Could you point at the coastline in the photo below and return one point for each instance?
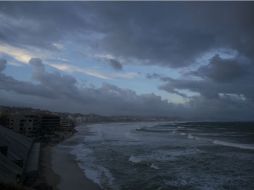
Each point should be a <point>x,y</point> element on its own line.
<point>62,172</point>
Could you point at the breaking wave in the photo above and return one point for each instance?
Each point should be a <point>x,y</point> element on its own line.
<point>234,145</point>
<point>135,159</point>
<point>93,171</point>
<point>178,131</point>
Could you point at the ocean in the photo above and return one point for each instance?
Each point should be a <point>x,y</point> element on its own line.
<point>166,155</point>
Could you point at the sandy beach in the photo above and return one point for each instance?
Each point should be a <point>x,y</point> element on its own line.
<point>62,172</point>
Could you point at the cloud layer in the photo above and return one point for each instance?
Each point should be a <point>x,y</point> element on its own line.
<point>172,34</point>
<point>190,38</point>
<point>61,93</point>
<point>65,94</point>
<point>220,76</point>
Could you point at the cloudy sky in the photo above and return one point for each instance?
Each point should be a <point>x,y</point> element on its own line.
<point>193,60</point>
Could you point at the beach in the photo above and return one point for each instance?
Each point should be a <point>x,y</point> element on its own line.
<point>61,172</point>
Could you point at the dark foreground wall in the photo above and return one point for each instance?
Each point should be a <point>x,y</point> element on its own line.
<point>17,153</point>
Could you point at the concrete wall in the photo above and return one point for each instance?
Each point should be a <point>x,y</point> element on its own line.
<point>21,153</point>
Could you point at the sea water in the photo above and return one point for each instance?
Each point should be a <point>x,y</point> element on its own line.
<point>168,155</point>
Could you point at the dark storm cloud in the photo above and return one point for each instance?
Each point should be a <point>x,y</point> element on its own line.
<point>153,76</point>
<point>3,63</point>
<point>40,24</point>
<point>230,77</point>
<point>225,86</point>
<point>49,85</point>
<point>158,77</point>
<point>163,33</point>
<point>10,84</point>
<point>115,64</point>
<point>220,76</point>
<point>57,84</point>
<point>225,70</point>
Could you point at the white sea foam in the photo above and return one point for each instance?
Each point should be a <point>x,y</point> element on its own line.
<point>92,170</point>
<point>162,155</point>
<point>135,159</point>
<point>158,130</point>
<point>99,175</point>
<point>219,142</point>
<point>235,145</point>
<point>80,152</point>
<point>190,136</point>
<point>92,174</point>
<point>154,166</point>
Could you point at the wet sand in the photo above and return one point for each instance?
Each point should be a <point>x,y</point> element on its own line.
<point>63,173</point>
<point>49,176</point>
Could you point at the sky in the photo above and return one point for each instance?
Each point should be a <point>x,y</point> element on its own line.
<point>193,60</point>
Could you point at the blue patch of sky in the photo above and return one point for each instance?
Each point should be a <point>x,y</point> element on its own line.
<point>17,70</point>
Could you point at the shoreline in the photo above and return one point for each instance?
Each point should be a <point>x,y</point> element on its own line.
<point>61,171</point>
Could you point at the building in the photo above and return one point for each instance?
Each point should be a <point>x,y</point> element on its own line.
<point>4,118</point>
<point>25,124</point>
<point>66,124</point>
<point>49,123</point>
<point>34,125</point>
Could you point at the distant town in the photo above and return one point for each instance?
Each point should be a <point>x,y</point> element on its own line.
<point>35,122</point>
